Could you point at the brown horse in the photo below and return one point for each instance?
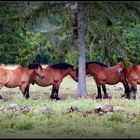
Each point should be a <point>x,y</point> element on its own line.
<point>20,77</point>
<point>132,75</point>
<point>104,74</point>
<point>54,76</point>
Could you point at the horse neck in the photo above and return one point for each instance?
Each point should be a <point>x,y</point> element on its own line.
<point>66,72</point>
<point>31,73</point>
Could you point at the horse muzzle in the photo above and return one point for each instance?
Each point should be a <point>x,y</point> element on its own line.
<point>76,79</point>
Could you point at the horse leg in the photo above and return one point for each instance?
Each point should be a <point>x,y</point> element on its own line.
<point>56,93</point>
<point>99,96</point>
<point>52,92</point>
<point>57,85</point>
<point>105,93</point>
<point>126,90</point>
<point>134,91</point>
<point>1,85</point>
<point>26,92</point>
<point>23,89</point>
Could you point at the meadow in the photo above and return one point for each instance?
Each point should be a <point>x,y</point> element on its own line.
<point>57,121</point>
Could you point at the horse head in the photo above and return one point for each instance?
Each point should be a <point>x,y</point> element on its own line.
<point>120,66</point>
<point>120,59</point>
<point>74,74</point>
<point>38,70</point>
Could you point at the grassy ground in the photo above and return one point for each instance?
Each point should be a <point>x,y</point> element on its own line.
<point>59,123</point>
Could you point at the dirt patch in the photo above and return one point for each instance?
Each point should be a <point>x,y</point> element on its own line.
<point>34,95</point>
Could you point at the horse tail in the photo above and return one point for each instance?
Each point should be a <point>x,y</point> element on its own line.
<point>87,72</point>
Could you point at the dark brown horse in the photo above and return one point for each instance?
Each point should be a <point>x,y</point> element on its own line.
<point>20,77</point>
<point>132,75</point>
<point>54,76</point>
<point>104,74</point>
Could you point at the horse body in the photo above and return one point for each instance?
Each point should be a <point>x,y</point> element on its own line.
<point>109,75</point>
<point>104,74</point>
<point>16,80</point>
<point>133,78</point>
<point>54,76</point>
<point>19,77</point>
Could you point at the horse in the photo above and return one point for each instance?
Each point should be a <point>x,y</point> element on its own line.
<point>20,77</point>
<point>104,74</point>
<point>54,76</point>
<point>132,75</point>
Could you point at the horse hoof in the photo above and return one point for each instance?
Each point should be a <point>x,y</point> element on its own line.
<point>0,97</point>
<point>27,97</point>
<point>57,98</point>
<point>123,96</point>
<point>98,97</point>
<point>52,98</point>
<point>105,97</point>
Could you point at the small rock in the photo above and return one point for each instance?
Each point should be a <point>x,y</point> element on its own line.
<point>88,113</point>
<point>97,109</point>
<point>105,108</point>
<point>14,107</point>
<point>73,109</point>
<point>25,109</point>
<point>118,108</point>
<point>41,110</point>
<point>101,113</point>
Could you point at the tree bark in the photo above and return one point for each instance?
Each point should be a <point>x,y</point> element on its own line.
<point>81,90</point>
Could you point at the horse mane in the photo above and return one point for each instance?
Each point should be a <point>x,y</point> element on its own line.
<point>33,66</point>
<point>101,64</point>
<point>133,67</point>
<point>62,66</point>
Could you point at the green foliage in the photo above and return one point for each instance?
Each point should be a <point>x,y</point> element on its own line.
<point>10,43</point>
<point>47,29</point>
<point>59,123</point>
<point>132,35</point>
<point>116,117</point>
<point>106,43</point>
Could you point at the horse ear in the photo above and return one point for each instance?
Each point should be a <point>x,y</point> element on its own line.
<point>120,59</point>
<point>33,66</point>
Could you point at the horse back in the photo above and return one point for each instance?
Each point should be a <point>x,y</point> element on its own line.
<point>93,68</point>
<point>55,74</point>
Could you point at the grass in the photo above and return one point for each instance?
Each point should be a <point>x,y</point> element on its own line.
<point>58,123</point>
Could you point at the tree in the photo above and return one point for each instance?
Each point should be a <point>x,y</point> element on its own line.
<point>81,90</point>
<point>112,29</point>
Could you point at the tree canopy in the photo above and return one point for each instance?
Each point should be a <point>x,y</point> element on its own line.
<point>48,31</point>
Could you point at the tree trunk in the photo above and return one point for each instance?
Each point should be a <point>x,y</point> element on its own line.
<point>81,90</point>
